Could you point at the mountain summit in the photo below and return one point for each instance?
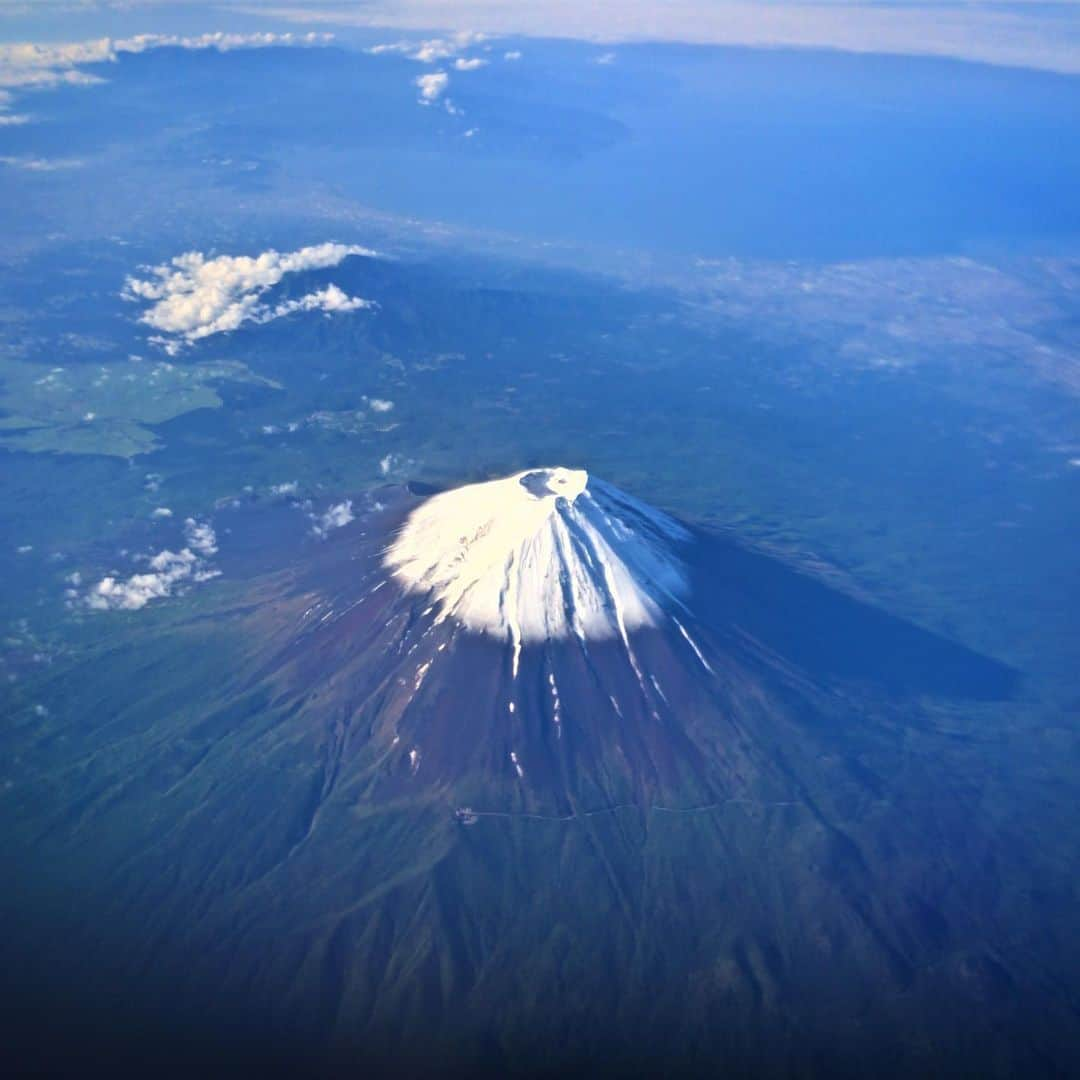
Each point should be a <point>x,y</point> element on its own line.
<point>547,643</point>
<point>526,639</point>
<point>540,555</point>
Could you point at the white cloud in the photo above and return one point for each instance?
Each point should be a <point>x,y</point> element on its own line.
<point>161,512</point>
<point>220,41</point>
<point>1043,36</point>
<point>192,297</point>
<point>330,300</point>
<point>386,464</point>
<point>604,59</point>
<point>290,487</point>
<point>31,65</point>
<point>200,537</point>
<point>13,119</point>
<point>336,517</point>
<point>167,571</point>
<point>512,54</point>
<point>432,87</point>
<point>380,405</point>
<point>39,164</point>
<point>432,50</point>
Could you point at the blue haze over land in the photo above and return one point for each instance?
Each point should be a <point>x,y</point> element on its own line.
<point>820,306</point>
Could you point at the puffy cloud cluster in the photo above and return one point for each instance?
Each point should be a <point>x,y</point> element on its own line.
<point>31,65</point>
<point>339,515</point>
<point>219,40</point>
<point>201,537</point>
<point>329,300</point>
<point>192,296</point>
<point>432,87</point>
<point>166,572</point>
<point>433,50</point>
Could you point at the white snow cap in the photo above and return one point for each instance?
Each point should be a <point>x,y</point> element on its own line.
<point>542,554</point>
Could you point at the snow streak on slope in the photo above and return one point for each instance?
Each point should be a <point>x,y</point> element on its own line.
<point>543,554</point>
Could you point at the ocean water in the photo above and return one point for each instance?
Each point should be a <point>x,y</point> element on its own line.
<point>707,151</point>
<point>810,155</point>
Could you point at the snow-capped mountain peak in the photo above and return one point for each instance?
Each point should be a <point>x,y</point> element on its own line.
<point>542,554</point>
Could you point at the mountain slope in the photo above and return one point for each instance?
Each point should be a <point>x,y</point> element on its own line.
<point>700,809</point>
